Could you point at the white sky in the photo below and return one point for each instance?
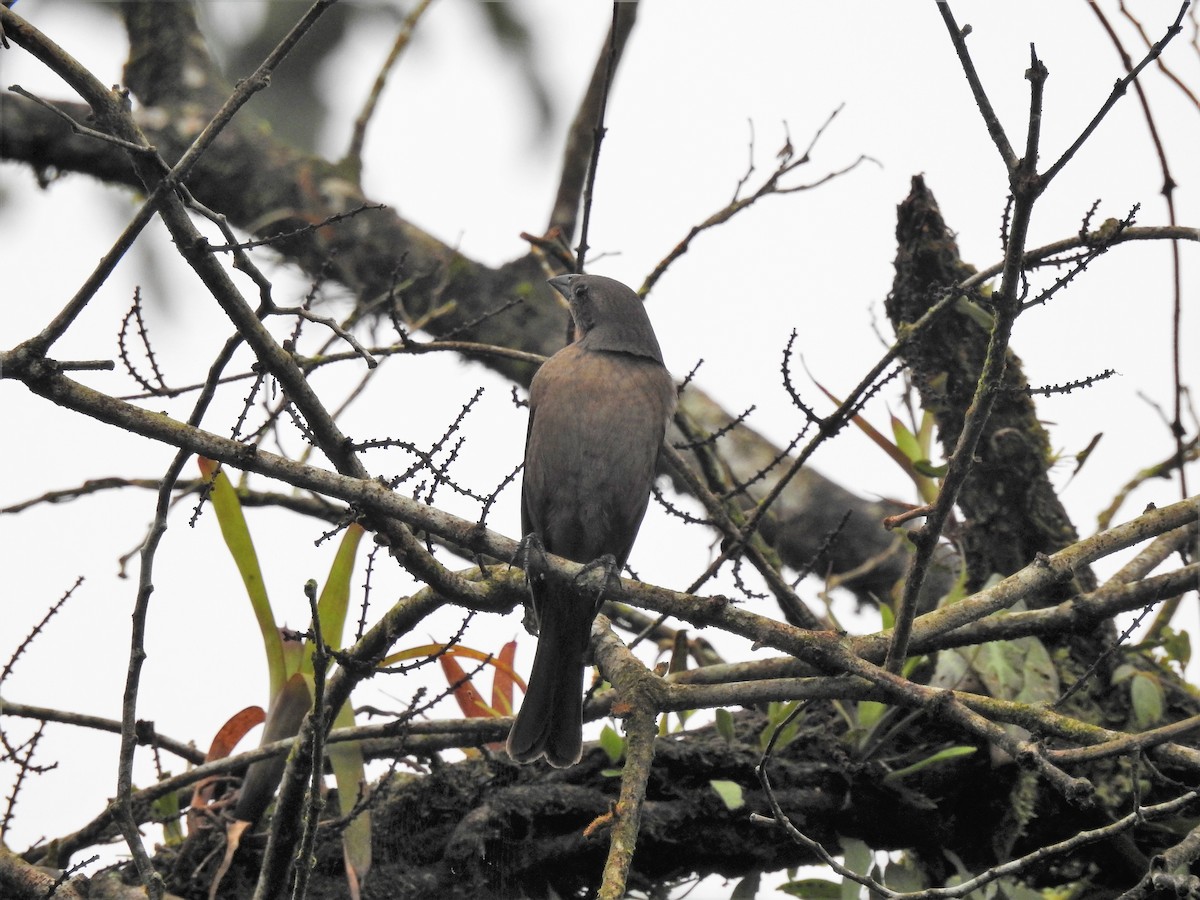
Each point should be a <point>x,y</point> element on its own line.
<point>452,149</point>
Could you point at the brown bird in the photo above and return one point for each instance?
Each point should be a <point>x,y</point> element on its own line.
<point>598,413</point>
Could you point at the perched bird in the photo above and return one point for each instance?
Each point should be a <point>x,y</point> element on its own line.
<point>598,413</point>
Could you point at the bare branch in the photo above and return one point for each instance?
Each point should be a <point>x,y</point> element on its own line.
<point>577,149</point>
<point>958,37</point>
<point>353,156</point>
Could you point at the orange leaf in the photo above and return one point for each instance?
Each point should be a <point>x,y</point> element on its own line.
<point>233,731</point>
<point>227,737</point>
<point>502,681</point>
<point>875,436</point>
<point>501,663</point>
<point>469,699</point>
<point>233,838</point>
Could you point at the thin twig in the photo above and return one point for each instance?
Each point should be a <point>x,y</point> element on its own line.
<point>313,801</point>
<point>771,185</point>
<point>146,734</point>
<point>332,324</point>
<point>577,147</point>
<point>1117,92</point>
<point>1168,192</point>
<point>1025,187</point>
<point>958,37</point>
<point>358,138</point>
<point>107,104</point>
<point>598,131</point>
<point>83,129</point>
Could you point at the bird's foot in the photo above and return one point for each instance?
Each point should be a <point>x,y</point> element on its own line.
<point>611,578</point>
<point>530,555</point>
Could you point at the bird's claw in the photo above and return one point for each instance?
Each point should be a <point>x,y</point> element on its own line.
<point>608,565</point>
<point>530,555</point>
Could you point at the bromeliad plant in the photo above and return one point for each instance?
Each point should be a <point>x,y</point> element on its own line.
<point>291,686</point>
<point>504,680</point>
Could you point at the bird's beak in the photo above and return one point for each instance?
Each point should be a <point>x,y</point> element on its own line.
<point>562,284</point>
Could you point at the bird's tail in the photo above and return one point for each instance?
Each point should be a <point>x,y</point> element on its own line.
<point>550,722</point>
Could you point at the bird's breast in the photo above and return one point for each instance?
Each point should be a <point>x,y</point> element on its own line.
<point>598,422</point>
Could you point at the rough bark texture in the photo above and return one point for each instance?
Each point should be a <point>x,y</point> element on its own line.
<point>1012,511</point>
<point>487,828</point>
<point>490,828</point>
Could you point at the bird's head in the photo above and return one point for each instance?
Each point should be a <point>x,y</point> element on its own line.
<point>608,315</point>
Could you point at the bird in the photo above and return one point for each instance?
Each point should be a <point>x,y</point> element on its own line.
<point>598,415</point>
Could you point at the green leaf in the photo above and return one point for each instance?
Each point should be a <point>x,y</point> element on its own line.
<point>951,669</point>
<point>228,509</point>
<point>295,651</point>
<point>346,759</point>
<point>975,313</point>
<point>875,436</point>
<point>813,889</point>
<point>1178,646</point>
<point>940,757</point>
<point>730,793</point>
<point>165,811</point>
<point>857,857</point>
<point>911,664</point>
<point>904,875</point>
<point>927,468</point>
<point>1019,670</point>
<point>925,432</point>
<point>724,724</point>
<point>335,597</point>
<point>612,743</point>
<point>915,449</point>
<point>777,713</point>
<point>957,591</point>
<point>1123,673</point>
<point>906,441</point>
<point>1146,692</point>
<point>869,712</point>
<point>1014,890</point>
